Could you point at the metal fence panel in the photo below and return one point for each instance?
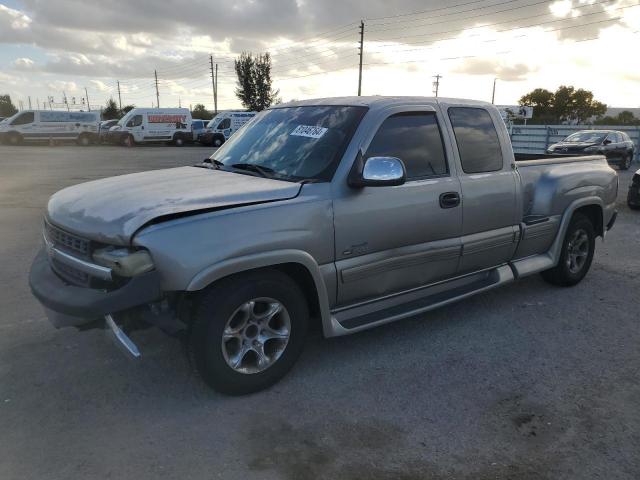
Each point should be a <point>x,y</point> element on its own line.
<point>536,138</point>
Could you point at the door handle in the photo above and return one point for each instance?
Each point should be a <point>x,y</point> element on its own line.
<point>449,199</point>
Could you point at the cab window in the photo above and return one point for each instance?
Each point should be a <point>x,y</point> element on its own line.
<point>414,138</point>
<point>224,124</point>
<point>477,139</point>
<point>136,121</point>
<point>25,118</point>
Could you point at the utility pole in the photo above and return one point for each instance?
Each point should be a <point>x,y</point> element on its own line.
<point>29,97</point>
<point>361,54</point>
<point>214,83</point>
<point>155,73</point>
<point>436,84</point>
<point>119,97</point>
<point>86,95</point>
<point>493,93</point>
<point>38,103</point>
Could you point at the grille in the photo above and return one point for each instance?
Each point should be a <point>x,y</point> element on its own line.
<point>67,241</point>
<point>70,274</point>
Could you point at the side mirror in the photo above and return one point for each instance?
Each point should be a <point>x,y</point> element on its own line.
<point>377,172</point>
<point>606,141</point>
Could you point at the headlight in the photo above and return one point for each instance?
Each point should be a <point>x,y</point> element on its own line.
<point>124,262</point>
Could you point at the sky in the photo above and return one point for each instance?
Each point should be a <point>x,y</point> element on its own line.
<point>53,48</point>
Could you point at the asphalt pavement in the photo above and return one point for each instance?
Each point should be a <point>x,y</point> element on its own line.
<point>529,381</point>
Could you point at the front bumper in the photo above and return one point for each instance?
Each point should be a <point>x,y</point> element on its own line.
<point>70,305</point>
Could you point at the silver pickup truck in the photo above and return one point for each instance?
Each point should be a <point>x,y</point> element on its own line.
<point>341,214</point>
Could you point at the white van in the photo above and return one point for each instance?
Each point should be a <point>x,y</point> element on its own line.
<point>144,125</point>
<point>45,125</point>
<point>223,125</point>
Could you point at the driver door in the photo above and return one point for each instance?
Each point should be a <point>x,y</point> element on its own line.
<point>136,128</point>
<point>394,238</point>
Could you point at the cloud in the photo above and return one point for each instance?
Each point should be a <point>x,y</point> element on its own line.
<point>24,63</point>
<point>487,66</point>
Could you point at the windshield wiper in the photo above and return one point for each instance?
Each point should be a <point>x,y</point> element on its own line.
<point>210,163</point>
<point>265,172</point>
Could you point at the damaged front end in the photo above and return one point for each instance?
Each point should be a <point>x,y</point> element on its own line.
<point>84,284</point>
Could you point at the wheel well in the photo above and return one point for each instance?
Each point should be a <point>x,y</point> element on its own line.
<point>593,213</point>
<point>303,278</point>
<point>297,272</point>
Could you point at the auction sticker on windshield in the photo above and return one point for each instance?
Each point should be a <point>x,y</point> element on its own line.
<point>309,131</point>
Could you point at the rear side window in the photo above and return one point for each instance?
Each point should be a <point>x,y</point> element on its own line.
<point>477,139</point>
<point>414,138</point>
<point>26,117</point>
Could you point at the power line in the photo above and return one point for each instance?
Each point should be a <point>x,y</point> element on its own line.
<point>508,29</point>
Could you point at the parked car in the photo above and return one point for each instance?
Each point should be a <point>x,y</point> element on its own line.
<point>223,125</point>
<point>616,146</point>
<point>148,125</point>
<point>633,197</point>
<point>46,125</point>
<point>344,213</point>
<point>103,130</point>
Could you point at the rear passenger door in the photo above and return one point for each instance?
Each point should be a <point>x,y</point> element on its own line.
<point>490,207</point>
<point>391,239</point>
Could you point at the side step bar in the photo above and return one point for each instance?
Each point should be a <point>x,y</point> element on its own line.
<point>120,338</point>
<point>368,315</point>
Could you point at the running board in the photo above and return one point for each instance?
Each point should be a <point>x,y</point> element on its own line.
<point>371,314</point>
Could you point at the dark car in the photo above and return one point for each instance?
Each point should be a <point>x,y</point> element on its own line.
<point>633,197</point>
<point>616,146</point>
<point>104,129</point>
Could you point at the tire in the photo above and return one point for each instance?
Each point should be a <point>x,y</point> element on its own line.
<point>178,141</point>
<point>225,307</point>
<point>217,141</point>
<point>84,140</point>
<point>625,164</point>
<point>571,270</point>
<point>14,138</point>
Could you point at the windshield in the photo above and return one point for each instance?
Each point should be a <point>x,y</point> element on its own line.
<point>123,121</point>
<point>213,122</point>
<point>586,137</point>
<point>294,143</point>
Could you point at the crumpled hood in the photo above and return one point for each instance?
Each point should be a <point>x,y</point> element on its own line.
<point>111,210</point>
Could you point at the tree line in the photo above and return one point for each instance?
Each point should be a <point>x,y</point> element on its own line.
<point>570,105</point>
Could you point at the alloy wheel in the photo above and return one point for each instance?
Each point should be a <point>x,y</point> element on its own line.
<point>256,335</point>
<point>577,251</point>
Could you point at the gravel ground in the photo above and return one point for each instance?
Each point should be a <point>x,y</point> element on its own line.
<point>526,382</point>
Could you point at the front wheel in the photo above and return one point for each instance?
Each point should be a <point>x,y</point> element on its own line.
<point>577,253</point>
<point>84,140</point>
<point>248,331</point>
<point>14,138</point>
<point>217,141</point>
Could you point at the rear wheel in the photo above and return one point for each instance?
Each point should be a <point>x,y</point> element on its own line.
<point>626,162</point>
<point>577,253</point>
<point>178,140</point>
<point>248,331</point>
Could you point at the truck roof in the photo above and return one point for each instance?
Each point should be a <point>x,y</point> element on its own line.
<point>376,101</point>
